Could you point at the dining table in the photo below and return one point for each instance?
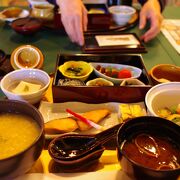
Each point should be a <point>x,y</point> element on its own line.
<point>52,42</point>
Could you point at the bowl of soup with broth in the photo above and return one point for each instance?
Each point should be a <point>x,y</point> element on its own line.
<point>21,137</point>
<point>148,148</point>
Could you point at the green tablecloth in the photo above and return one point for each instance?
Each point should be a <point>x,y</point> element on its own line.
<point>51,43</point>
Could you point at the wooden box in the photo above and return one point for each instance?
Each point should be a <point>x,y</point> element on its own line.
<point>126,94</point>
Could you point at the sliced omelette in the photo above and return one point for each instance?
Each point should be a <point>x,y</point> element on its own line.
<point>128,111</point>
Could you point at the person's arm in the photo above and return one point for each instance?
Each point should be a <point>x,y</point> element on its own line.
<point>151,11</point>
<point>161,2</point>
<point>74,18</point>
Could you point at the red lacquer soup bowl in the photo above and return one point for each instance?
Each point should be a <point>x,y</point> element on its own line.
<point>149,148</point>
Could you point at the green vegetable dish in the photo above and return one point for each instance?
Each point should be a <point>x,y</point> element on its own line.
<point>171,113</point>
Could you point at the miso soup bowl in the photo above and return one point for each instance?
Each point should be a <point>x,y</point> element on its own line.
<point>146,124</point>
<point>22,162</point>
<point>27,75</point>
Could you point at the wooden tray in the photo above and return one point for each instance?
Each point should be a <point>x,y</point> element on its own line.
<point>91,44</point>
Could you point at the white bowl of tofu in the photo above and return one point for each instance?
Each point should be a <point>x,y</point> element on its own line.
<point>28,85</point>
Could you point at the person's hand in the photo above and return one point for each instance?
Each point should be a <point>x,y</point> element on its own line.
<point>74,19</point>
<point>151,11</point>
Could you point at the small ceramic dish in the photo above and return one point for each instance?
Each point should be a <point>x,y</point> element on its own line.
<point>133,72</point>
<point>70,82</point>
<point>132,82</point>
<point>27,56</point>
<point>44,12</point>
<point>121,14</point>
<point>99,82</point>
<point>165,73</point>
<point>12,13</point>
<point>76,70</point>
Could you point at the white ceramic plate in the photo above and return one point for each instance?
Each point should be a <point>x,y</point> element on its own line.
<point>136,72</point>
<point>52,111</point>
<point>23,14</point>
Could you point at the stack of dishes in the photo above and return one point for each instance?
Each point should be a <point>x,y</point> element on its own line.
<point>27,56</point>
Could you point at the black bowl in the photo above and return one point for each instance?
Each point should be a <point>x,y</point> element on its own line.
<point>151,125</point>
<point>22,162</point>
<point>26,26</point>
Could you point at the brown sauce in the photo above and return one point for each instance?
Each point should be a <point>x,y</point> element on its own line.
<point>153,152</point>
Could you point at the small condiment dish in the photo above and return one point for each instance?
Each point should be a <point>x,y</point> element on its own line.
<point>163,73</point>
<point>76,70</point>
<point>28,85</point>
<point>121,14</point>
<point>70,82</point>
<point>132,82</point>
<point>99,82</point>
<point>27,56</point>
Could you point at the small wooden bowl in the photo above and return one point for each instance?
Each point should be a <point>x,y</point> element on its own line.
<point>164,73</point>
<point>26,26</point>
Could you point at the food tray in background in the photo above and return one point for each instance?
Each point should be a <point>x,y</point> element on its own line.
<point>87,94</point>
<point>98,22</point>
<point>95,20</point>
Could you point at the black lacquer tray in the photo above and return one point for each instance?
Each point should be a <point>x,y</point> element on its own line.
<point>100,94</point>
